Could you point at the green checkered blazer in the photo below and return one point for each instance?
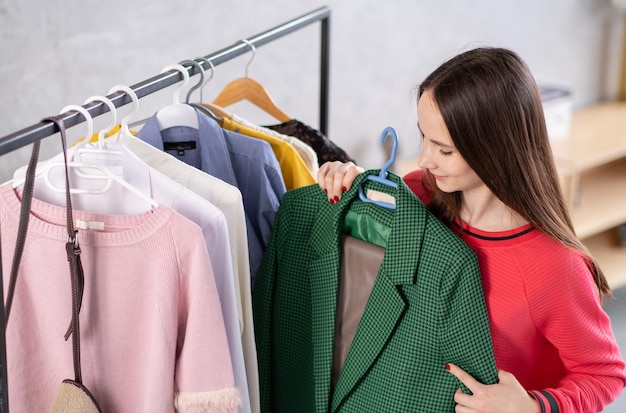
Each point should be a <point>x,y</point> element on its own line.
<point>426,309</point>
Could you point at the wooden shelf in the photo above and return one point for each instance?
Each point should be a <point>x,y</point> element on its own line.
<point>611,256</point>
<point>592,166</point>
<point>600,201</point>
<point>597,137</point>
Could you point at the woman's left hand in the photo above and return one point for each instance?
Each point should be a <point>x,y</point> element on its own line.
<point>507,396</point>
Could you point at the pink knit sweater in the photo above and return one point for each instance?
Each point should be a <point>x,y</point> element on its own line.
<point>152,332</point>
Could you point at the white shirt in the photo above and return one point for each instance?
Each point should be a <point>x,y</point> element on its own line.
<point>228,199</point>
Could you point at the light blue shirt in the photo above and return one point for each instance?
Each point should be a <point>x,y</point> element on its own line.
<point>245,162</point>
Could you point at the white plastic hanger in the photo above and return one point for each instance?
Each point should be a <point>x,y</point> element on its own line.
<point>87,150</point>
<point>94,176</point>
<point>124,129</point>
<point>44,168</point>
<point>178,113</point>
<point>113,156</point>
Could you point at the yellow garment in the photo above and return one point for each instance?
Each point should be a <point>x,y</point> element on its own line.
<point>295,172</point>
<point>304,150</point>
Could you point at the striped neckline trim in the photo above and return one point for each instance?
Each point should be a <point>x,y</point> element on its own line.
<point>494,236</point>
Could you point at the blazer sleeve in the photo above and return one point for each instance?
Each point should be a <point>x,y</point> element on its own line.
<point>464,329</point>
<point>262,303</point>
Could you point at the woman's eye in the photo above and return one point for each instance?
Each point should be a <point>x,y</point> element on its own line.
<point>444,153</point>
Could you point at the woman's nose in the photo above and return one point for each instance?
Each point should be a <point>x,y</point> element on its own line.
<point>424,161</point>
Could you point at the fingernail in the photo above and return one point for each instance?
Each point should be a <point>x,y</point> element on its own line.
<point>325,190</point>
<point>336,198</point>
<point>448,367</point>
<point>332,201</point>
<point>344,189</point>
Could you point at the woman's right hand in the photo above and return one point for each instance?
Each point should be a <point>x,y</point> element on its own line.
<point>336,177</point>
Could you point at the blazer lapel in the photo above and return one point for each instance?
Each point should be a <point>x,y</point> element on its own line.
<point>383,311</point>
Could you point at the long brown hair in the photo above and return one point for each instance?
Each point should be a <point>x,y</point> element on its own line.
<point>491,106</point>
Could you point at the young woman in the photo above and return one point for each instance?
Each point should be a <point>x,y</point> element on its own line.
<point>487,171</point>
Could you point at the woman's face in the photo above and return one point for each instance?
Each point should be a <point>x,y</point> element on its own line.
<point>439,155</point>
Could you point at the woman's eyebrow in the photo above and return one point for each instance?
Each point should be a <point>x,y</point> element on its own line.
<point>436,142</point>
<point>445,145</point>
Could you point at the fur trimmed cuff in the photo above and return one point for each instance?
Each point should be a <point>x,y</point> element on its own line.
<point>224,400</point>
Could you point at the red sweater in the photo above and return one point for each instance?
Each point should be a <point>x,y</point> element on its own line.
<point>547,324</point>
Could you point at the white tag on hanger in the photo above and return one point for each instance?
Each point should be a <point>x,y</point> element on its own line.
<point>380,196</point>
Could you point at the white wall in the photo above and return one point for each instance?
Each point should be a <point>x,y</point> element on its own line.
<point>57,53</point>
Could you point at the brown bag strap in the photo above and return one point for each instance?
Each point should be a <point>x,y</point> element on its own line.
<point>72,247</point>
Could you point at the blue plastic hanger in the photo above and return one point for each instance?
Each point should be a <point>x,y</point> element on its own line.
<point>382,176</point>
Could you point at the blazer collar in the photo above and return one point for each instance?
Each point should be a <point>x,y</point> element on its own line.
<point>405,239</point>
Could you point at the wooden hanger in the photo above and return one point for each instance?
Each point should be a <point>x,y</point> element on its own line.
<point>248,89</point>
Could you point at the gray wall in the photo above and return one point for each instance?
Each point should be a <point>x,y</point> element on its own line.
<point>59,53</point>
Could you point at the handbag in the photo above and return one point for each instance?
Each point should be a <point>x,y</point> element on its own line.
<point>72,396</point>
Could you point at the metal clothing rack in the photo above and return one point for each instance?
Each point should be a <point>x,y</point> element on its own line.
<point>42,129</point>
